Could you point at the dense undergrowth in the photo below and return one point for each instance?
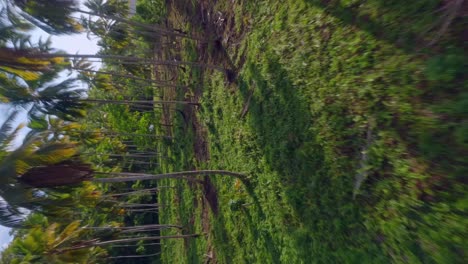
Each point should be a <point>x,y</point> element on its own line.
<point>351,127</point>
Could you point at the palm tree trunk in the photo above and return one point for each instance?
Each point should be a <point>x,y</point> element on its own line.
<point>137,245</point>
<point>130,102</point>
<point>12,58</point>
<point>148,210</point>
<point>130,177</point>
<point>131,231</point>
<point>128,227</point>
<point>139,227</point>
<point>135,256</point>
<point>135,152</point>
<point>103,243</point>
<point>151,190</point>
<point>136,205</point>
<point>125,58</point>
<point>137,162</point>
<point>152,28</point>
<point>73,172</point>
<point>96,243</point>
<point>129,76</point>
<point>122,155</point>
<point>126,231</point>
<point>113,133</point>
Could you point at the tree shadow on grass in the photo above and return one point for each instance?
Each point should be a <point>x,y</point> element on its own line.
<point>281,120</point>
<point>223,242</point>
<point>398,22</point>
<point>256,207</point>
<point>320,197</point>
<point>221,239</point>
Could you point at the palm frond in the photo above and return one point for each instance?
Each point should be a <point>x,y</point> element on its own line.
<point>9,219</point>
<point>7,141</point>
<point>52,16</point>
<point>10,214</point>
<point>7,127</point>
<point>16,21</point>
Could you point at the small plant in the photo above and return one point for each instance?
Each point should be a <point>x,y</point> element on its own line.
<point>237,204</point>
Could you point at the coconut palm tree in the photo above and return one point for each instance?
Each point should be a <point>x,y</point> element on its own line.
<point>56,16</point>
<point>53,164</point>
<point>75,172</point>
<point>11,214</point>
<point>72,243</point>
<point>40,244</point>
<point>14,41</point>
<point>41,98</point>
<point>17,198</point>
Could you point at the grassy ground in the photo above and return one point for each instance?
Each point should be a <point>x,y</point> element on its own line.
<point>350,127</point>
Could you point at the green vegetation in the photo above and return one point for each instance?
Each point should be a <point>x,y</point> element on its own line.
<point>336,116</point>
<point>348,118</point>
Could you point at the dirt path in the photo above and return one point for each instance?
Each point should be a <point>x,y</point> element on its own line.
<point>219,28</point>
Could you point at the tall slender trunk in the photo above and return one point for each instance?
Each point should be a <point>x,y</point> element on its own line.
<point>151,190</point>
<point>134,229</point>
<point>65,174</point>
<point>130,177</point>
<point>135,256</point>
<point>137,245</point>
<point>143,230</point>
<point>122,155</point>
<point>129,76</point>
<point>130,227</point>
<point>126,58</point>
<point>130,102</point>
<point>139,103</point>
<point>128,152</point>
<point>148,210</point>
<point>97,243</point>
<point>103,243</point>
<point>137,162</point>
<point>152,27</point>
<point>136,205</point>
<point>113,133</point>
<point>131,205</point>
<point>131,33</point>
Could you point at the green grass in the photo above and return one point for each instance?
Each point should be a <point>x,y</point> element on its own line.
<point>182,203</point>
<point>324,82</point>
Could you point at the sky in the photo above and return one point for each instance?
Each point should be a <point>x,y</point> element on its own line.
<point>72,44</point>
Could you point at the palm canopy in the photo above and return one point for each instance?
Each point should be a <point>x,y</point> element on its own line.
<point>49,94</point>
<point>52,16</point>
<point>56,16</point>
<point>10,214</point>
<point>17,197</point>
<point>15,44</point>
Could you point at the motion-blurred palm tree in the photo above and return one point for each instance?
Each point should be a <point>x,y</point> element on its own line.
<point>52,16</point>
<point>18,198</point>
<point>15,43</point>
<point>43,243</point>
